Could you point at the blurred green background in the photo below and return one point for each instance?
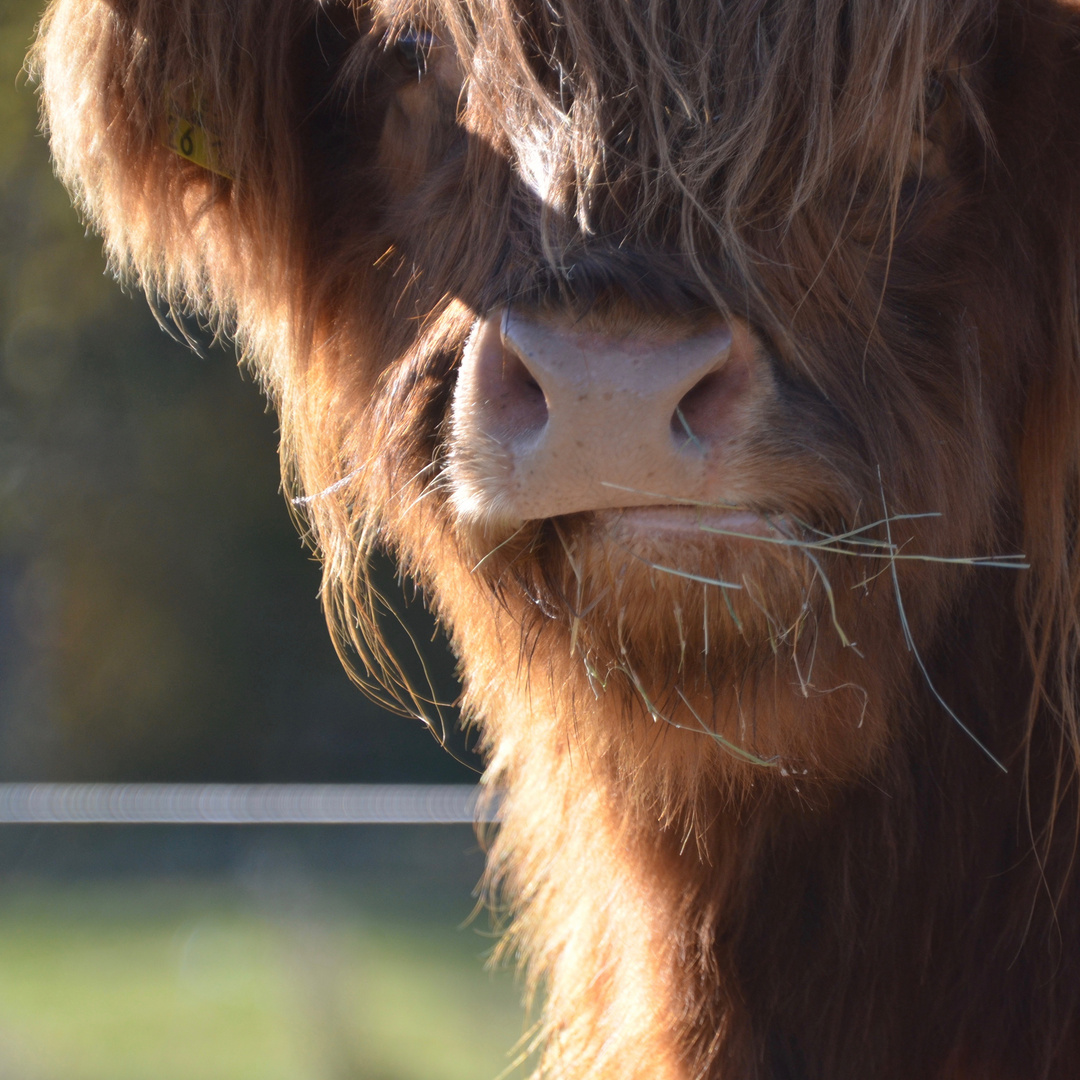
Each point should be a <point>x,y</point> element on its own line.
<point>159,621</point>
<point>251,953</point>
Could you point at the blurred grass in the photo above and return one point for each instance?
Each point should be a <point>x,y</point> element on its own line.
<point>252,980</point>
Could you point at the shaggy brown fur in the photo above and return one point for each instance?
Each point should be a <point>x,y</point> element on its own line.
<point>821,826</point>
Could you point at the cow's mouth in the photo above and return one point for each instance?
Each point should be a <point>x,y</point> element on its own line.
<point>685,521</point>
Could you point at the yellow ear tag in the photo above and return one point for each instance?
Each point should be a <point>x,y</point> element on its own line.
<point>194,143</point>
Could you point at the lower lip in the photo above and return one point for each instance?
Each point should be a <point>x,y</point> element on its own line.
<point>688,520</point>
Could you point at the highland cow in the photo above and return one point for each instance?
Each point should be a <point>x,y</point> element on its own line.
<point>714,367</point>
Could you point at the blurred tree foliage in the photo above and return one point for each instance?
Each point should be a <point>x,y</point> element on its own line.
<point>158,617</point>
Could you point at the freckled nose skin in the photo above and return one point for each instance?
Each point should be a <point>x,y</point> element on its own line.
<point>550,419</point>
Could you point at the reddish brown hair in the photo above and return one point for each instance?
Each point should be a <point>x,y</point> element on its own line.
<point>725,867</point>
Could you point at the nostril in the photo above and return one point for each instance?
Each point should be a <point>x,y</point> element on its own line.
<point>515,370</point>
<point>516,405</point>
<point>701,408</point>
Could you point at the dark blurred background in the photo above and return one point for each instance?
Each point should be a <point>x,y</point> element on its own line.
<point>158,614</point>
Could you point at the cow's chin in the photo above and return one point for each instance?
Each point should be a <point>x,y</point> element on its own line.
<point>691,648</point>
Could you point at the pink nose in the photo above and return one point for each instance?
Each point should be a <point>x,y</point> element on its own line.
<point>549,419</point>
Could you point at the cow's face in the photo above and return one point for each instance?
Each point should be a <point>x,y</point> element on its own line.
<point>677,352</point>
<point>696,408</point>
<point>687,352</point>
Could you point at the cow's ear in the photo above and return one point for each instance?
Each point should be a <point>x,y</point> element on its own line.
<point>178,126</point>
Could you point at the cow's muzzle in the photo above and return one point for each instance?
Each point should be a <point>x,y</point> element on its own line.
<point>552,417</point>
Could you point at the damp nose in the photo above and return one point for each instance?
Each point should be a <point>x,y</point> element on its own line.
<point>552,419</point>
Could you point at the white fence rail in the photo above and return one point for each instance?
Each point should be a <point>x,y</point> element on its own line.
<point>241,804</point>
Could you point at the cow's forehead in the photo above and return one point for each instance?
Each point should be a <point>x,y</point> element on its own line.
<point>717,86</point>
<point>709,50</point>
<point>940,16</point>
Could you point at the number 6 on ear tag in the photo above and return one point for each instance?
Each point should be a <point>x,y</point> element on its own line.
<point>192,141</point>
